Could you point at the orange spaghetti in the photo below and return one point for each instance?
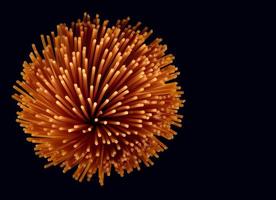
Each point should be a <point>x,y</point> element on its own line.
<point>98,97</point>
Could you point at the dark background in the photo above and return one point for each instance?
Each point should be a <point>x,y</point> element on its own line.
<point>196,163</point>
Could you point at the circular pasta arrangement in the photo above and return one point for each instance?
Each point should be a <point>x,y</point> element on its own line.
<point>98,97</point>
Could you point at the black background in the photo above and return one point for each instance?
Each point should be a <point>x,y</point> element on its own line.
<point>195,163</point>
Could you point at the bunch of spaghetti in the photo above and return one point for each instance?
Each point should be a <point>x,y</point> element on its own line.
<point>98,97</point>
